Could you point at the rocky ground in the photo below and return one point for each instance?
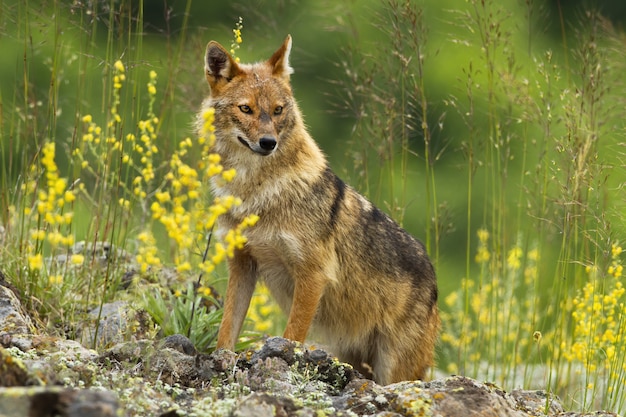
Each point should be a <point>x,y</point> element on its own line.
<point>47,376</point>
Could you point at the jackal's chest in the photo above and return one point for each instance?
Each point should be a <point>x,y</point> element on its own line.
<point>269,248</point>
<point>276,258</point>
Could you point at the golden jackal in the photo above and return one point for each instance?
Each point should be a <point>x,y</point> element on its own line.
<point>332,260</point>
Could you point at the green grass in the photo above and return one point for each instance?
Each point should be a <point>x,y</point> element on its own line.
<point>539,165</point>
<point>501,148</point>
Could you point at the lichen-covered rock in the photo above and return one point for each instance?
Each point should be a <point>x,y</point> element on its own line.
<point>455,396</point>
<point>151,360</point>
<point>534,402</point>
<point>105,325</point>
<point>316,364</point>
<point>13,371</point>
<point>57,401</point>
<point>255,405</point>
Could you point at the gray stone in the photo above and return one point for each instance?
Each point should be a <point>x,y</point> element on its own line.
<point>57,401</point>
<point>112,323</point>
<point>12,319</point>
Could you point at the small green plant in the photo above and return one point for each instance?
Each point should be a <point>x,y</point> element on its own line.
<point>194,313</point>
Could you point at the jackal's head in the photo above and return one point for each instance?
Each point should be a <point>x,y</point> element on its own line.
<point>254,105</point>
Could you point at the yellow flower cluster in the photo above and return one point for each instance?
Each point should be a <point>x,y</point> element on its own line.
<point>207,138</point>
<point>485,318</point>
<point>173,196</point>
<point>118,78</point>
<point>513,259</point>
<point>145,147</point>
<point>616,268</point>
<point>599,315</point>
<point>482,255</point>
<point>52,217</point>
<point>263,311</point>
<point>234,239</point>
<point>147,255</point>
<point>178,204</point>
<point>101,144</point>
<point>237,40</point>
<point>116,159</point>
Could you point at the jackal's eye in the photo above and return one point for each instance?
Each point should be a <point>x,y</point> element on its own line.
<point>278,110</point>
<point>245,109</point>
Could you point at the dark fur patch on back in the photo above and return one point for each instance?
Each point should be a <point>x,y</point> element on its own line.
<point>409,254</point>
<point>328,194</point>
<point>340,186</point>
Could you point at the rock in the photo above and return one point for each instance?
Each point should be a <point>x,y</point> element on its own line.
<point>13,371</point>
<point>57,401</point>
<point>453,396</point>
<point>106,325</point>
<point>317,364</point>
<point>116,323</point>
<point>180,343</point>
<point>276,347</point>
<point>49,361</point>
<point>12,319</point>
<point>267,405</point>
<point>152,360</point>
<point>534,402</point>
<point>15,325</point>
<point>362,397</point>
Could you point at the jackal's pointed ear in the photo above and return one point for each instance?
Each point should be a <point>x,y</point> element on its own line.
<point>280,60</point>
<point>219,65</point>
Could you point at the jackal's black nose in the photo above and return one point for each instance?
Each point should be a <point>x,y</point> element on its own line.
<point>267,143</point>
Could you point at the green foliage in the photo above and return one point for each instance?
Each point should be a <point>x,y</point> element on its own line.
<point>196,314</point>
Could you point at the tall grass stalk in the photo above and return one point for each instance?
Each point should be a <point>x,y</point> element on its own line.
<point>388,99</point>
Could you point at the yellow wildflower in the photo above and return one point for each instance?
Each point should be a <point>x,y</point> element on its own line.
<point>119,67</point>
<point>35,262</point>
<point>204,291</point>
<point>513,258</point>
<point>451,299</point>
<point>38,234</point>
<point>69,196</point>
<point>229,174</point>
<point>483,235</point>
<point>482,255</point>
<point>55,279</point>
<point>77,259</point>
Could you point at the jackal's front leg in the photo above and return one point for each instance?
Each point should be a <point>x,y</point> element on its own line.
<point>306,297</point>
<point>241,282</point>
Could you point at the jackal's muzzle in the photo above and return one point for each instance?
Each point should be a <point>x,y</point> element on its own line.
<point>266,145</point>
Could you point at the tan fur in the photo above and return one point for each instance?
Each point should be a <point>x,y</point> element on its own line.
<point>330,258</point>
